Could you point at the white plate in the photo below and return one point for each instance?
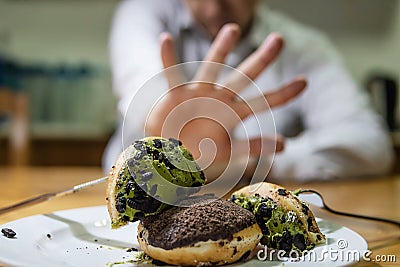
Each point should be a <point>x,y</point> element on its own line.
<point>82,237</point>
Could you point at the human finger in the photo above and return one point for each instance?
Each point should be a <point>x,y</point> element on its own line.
<point>253,65</point>
<point>167,50</point>
<point>286,92</point>
<point>168,59</point>
<point>258,146</point>
<point>220,48</point>
<point>271,99</point>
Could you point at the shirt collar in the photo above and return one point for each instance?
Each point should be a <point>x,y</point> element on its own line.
<point>185,20</point>
<point>255,37</point>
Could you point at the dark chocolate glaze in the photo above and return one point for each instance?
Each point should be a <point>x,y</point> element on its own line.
<point>207,219</point>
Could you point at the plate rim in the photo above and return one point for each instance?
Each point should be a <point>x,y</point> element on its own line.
<point>101,210</point>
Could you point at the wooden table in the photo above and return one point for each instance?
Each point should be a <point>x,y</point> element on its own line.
<point>376,197</point>
<point>20,183</point>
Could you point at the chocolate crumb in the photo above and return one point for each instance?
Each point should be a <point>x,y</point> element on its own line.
<point>158,263</point>
<point>121,205</point>
<point>157,143</point>
<point>286,241</point>
<point>310,223</point>
<point>234,250</point>
<point>139,145</point>
<point>139,155</point>
<point>129,186</point>
<point>175,141</point>
<point>245,255</point>
<point>9,233</point>
<point>304,208</point>
<point>153,190</point>
<point>299,242</point>
<point>48,236</point>
<point>282,192</point>
<point>147,176</point>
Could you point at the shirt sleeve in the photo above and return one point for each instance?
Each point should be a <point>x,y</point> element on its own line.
<point>134,60</point>
<point>343,136</point>
<point>134,48</point>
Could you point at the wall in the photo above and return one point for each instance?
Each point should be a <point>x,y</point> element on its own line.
<point>67,33</point>
<point>56,31</point>
<point>367,32</point>
<point>58,35</point>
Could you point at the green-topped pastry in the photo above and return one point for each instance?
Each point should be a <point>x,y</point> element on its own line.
<point>286,222</point>
<point>148,175</point>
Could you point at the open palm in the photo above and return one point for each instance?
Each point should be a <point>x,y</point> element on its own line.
<point>202,110</point>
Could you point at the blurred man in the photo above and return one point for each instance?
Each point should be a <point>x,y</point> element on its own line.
<point>329,129</point>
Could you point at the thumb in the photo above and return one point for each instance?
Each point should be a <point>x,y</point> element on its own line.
<point>259,146</point>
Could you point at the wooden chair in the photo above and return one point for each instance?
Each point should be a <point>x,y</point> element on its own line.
<point>15,106</point>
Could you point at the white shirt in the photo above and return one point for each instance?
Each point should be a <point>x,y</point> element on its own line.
<point>330,129</point>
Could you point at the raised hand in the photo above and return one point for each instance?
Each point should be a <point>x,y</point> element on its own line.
<point>203,114</point>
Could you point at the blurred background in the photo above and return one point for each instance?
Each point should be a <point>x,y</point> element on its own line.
<point>54,59</point>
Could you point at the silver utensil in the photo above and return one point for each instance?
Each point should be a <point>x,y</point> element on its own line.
<point>48,196</point>
<point>319,201</point>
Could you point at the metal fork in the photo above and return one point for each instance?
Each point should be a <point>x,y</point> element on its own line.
<point>48,196</point>
<point>322,204</point>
